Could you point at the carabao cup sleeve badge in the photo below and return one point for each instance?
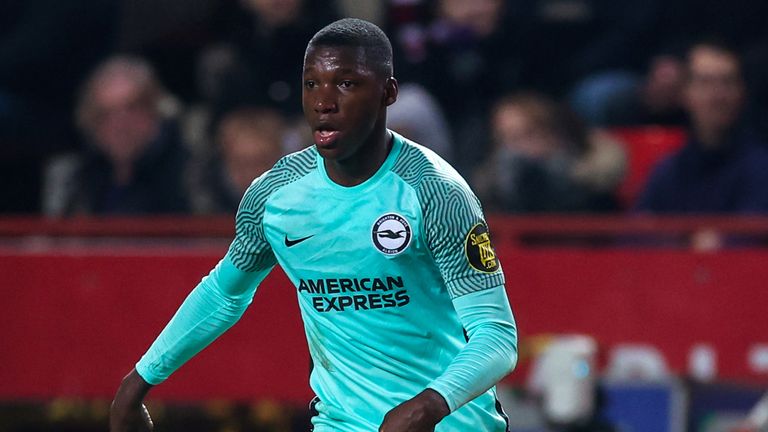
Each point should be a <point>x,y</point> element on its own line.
<point>479,250</point>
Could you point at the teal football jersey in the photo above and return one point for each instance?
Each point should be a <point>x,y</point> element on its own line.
<point>375,268</point>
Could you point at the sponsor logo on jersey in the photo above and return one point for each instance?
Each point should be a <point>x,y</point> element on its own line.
<point>479,250</point>
<point>343,294</point>
<point>391,234</point>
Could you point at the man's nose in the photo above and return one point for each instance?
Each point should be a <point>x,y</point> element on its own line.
<point>325,102</point>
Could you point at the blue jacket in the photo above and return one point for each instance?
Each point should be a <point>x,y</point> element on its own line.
<point>730,179</point>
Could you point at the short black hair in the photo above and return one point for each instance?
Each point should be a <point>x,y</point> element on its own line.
<point>354,32</point>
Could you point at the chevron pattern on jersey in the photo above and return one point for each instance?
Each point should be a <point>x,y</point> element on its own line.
<point>450,210</point>
<point>250,251</point>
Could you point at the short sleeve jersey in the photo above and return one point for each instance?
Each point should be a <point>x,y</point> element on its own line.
<point>375,267</point>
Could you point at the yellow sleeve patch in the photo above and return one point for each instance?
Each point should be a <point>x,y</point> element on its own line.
<point>479,250</point>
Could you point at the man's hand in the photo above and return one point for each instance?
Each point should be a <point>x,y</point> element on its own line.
<point>130,419</point>
<point>128,413</point>
<point>419,414</point>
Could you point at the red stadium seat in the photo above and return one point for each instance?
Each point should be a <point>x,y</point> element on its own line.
<point>645,146</point>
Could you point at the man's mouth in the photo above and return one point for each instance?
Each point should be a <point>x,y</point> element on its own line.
<point>325,137</point>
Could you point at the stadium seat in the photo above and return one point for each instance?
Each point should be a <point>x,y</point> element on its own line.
<point>645,146</point>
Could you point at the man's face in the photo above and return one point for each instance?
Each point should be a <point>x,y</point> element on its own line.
<point>125,122</point>
<point>715,90</point>
<point>482,16</point>
<point>516,131</point>
<point>343,99</point>
<point>247,157</point>
<point>275,13</point>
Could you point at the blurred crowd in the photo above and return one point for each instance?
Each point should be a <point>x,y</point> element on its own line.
<point>174,107</point>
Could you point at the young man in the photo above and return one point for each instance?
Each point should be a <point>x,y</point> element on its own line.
<point>401,294</point>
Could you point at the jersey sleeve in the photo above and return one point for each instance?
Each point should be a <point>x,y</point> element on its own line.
<point>490,353</point>
<point>457,235</point>
<point>250,250</point>
<point>217,303</point>
<point>222,297</point>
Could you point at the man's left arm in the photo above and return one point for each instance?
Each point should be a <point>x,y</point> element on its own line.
<point>489,355</point>
<point>460,242</point>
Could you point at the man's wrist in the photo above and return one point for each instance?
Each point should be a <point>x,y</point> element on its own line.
<point>434,404</point>
<point>133,388</point>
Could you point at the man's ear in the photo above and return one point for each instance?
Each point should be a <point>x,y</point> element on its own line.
<point>390,91</point>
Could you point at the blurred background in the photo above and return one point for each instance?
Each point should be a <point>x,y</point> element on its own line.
<point>620,149</point>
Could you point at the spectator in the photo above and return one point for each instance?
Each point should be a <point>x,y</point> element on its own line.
<point>544,161</point>
<point>723,167</point>
<point>46,46</point>
<point>625,99</point>
<point>417,116</point>
<point>170,35</point>
<point>248,142</point>
<point>570,40</point>
<point>465,56</point>
<point>254,62</point>
<point>134,162</point>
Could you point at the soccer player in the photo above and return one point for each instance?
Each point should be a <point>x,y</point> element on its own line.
<point>401,294</point>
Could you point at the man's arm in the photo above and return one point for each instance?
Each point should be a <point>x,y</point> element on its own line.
<point>216,304</point>
<point>457,236</point>
<point>490,354</point>
<point>218,301</point>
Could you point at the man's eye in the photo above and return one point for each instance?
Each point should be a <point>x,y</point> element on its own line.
<point>345,84</point>
<point>309,84</point>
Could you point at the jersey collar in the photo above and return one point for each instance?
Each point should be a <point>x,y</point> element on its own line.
<point>397,145</point>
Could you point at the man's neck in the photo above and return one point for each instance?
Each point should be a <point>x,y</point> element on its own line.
<point>363,165</point>
<point>711,139</point>
<point>122,173</point>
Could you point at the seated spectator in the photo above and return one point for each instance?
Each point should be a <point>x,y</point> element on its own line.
<point>575,39</point>
<point>417,116</point>
<point>248,142</point>
<point>543,160</point>
<point>257,60</point>
<point>723,167</point>
<point>254,60</point>
<point>465,56</point>
<point>46,47</point>
<point>621,98</point>
<point>135,160</point>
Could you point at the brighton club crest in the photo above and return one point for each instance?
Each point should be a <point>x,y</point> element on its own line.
<point>391,234</point>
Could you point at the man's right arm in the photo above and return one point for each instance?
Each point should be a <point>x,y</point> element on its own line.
<point>216,304</point>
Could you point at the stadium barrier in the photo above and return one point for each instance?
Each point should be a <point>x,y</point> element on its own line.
<point>83,298</point>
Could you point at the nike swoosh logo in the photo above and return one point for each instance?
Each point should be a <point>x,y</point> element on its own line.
<point>290,243</point>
